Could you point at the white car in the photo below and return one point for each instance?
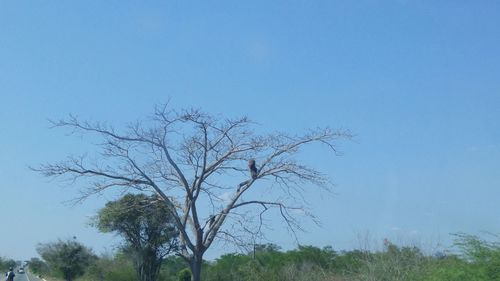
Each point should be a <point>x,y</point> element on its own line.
<point>20,270</point>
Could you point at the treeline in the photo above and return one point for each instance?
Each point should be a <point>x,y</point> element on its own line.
<point>5,264</point>
<point>474,260</point>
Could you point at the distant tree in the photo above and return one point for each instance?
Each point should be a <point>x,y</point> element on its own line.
<point>38,266</point>
<point>349,262</point>
<point>309,254</point>
<point>69,258</point>
<point>197,164</point>
<point>5,264</point>
<point>270,263</point>
<point>147,227</point>
<point>10,263</point>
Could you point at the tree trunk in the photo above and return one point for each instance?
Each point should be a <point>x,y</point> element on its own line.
<point>195,266</point>
<point>148,270</point>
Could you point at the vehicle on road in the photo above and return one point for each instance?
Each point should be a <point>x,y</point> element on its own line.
<point>20,270</point>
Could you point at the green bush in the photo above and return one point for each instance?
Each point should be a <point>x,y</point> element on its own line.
<point>111,268</point>
<point>184,275</point>
<point>474,260</point>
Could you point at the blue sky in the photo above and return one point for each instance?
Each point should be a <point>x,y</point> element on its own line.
<point>418,82</point>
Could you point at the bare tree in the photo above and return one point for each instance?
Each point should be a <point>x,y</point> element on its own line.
<point>198,165</point>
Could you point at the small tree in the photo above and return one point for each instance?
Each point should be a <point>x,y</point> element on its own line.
<point>147,227</point>
<point>483,254</point>
<point>37,266</point>
<point>197,164</point>
<point>184,275</point>
<point>69,258</point>
<point>6,264</point>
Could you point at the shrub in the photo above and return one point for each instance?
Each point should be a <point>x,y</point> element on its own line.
<point>184,275</point>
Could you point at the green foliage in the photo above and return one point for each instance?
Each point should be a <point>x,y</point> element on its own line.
<point>268,263</point>
<point>184,275</point>
<point>68,259</point>
<point>322,258</point>
<point>109,268</point>
<point>229,267</point>
<point>475,260</point>
<point>147,227</point>
<point>478,260</point>
<point>348,262</point>
<point>11,263</point>
<point>484,254</point>
<point>453,269</point>
<point>5,264</point>
<point>38,266</point>
<point>140,219</point>
<point>170,268</point>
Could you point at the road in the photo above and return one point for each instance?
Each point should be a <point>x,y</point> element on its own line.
<point>25,277</point>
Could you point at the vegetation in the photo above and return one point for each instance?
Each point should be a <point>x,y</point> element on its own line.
<point>5,264</point>
<point>203,168</point>
<point>184,275</point>
<point>66,259</point>
<point>38,266</point>
<point>474,259</point>
<point>147,228</point>
<point>118,267</point>
<point>186,159</point>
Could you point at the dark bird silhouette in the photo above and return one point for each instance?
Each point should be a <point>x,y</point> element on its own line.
<point>252,168</point>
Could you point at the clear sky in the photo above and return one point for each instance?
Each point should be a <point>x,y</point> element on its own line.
<point>417,81</point>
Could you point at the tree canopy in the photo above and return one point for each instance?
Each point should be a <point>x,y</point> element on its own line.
<point>68,258</point>
<point>147,227</point>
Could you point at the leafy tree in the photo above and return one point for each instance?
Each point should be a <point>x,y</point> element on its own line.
<point>147,227</point>
<point>5,264</point>
<point>10,263</point>
<point>184,275</point>
<point>38,266</point>
<point>69,258</point>
<point>322,258</point>
<point>198,166</point>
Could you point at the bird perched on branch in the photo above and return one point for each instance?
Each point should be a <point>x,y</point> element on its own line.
<point>252,168</point>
